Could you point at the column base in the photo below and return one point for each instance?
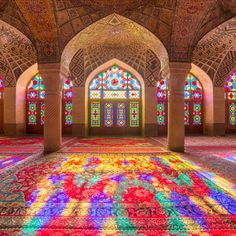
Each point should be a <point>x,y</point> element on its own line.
<point>48,150</point>
<point>78,130</point>
<point>14,130</point>
<point>216,129</point>
<point>175,149</point>
<point>151,130</point>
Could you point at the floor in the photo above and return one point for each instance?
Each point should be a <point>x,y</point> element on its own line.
<point>118,186</point>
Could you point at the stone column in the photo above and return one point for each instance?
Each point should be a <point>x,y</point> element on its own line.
<point>53,81</point>
<point>176,133</point>
<point>14,112</point>
<point>78,103</point>
<point>150,112</point>
<point>215,118</point>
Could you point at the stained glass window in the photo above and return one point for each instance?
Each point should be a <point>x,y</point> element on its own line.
<point>121,114</point>
<point>32,113</point>
<point>108,114</point>
<point>1,87</point>
<point>95,114</point>
<point>193,102</point>
<point>134,114</point>
<point>162,91</point>
<point>67,90</point>
<point>36,97</point>
<point>230,96</point>
<point>114,85</point>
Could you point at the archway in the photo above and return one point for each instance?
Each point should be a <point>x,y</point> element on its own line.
<point>193,105</point>
<point>114,103</point>
<point>230,102</point>
<point>35,106</point>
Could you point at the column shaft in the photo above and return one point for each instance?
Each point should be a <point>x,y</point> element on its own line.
<point>176,132</point>
<point>150,112</point>
<point>53,106</point>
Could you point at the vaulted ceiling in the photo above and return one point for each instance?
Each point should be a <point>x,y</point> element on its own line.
<point>168,30</point>
<point>51,24</point>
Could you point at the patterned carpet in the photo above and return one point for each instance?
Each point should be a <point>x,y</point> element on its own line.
<point>23,145</point>
<point>121,194</point>
<point>114,145</point>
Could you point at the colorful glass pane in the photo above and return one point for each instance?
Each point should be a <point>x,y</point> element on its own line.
<point>132,82</point>
<point>96,83</point>
<point>232,95</point>
<point>192,83</point>
<point>114,78</point>
<point>230,85</point>
<point>95,94</point>
<point>197,114</point>
<point>108,114</point>
<point>32,113</point>
<point>114,94</point>
<point>36,83</point>
<point>121,114</point>
<point>232,114</point>
<point>162,85</point>
<point>68,112</point>
<point>192,95</point>
<point>1,84</point>
<point>186,113</point>
<point>95,114</point>
<point>134,94</point>
<point>187,95</point>
<point>161,114</point>
<point>32,95</point>
<point>42,113</point>
<point>134,114</point>
<point>197,95</point>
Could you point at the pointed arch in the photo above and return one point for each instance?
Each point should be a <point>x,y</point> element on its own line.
<point>104,67</point>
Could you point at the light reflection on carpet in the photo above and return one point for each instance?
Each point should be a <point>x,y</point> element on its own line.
<point>90,194</point>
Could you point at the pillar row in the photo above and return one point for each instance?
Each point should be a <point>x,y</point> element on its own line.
<point>176,130</point>
<point>53,81</point>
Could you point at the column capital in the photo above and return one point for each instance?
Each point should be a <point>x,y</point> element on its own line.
<point>52,76</point>
<point>179,68</point>
<point>49,68</point>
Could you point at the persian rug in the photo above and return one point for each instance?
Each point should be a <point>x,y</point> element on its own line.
<point>114,145</point>
<point>114,194</point>
<point>220,163</point>
<point>12,163</point>
<point>22,145</point>
<point>9,141</point>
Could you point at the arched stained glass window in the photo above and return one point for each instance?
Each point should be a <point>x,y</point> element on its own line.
<point>230,98</point>
<point>36,104</point>
<point>114,99</point>
<point>193,101</point>
<point>192,106</point>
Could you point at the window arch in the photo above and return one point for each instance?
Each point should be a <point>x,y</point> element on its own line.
<point>193,96</point>
<point>114,101</point>
<point>36,104</point>
<point>230,98</point>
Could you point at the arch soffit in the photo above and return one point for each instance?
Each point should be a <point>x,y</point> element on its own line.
<point>104,28</point>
